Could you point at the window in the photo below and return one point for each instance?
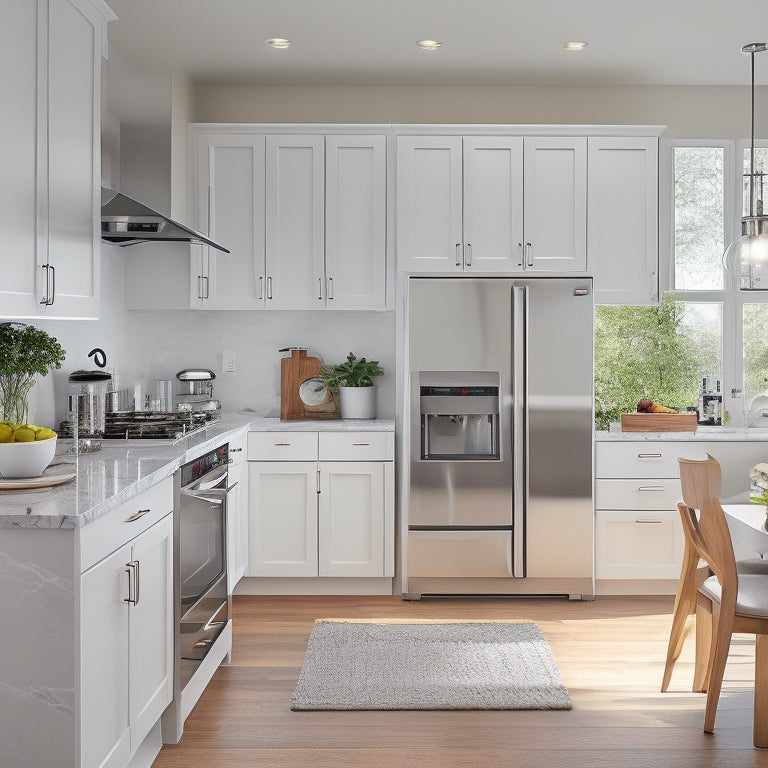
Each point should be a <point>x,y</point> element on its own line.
<point>704,326</point>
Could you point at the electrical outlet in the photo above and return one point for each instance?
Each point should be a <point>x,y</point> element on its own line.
<point>228,362</point>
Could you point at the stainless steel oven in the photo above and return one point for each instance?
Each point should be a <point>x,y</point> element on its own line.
<point>203,606</point>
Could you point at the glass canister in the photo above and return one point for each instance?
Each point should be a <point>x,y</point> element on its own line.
<point>86,408</point>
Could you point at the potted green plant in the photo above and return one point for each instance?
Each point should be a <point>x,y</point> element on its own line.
<point>354,380</point>
<point>25,351</point>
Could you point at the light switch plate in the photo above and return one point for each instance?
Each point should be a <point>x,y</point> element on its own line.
<point>228,362</point>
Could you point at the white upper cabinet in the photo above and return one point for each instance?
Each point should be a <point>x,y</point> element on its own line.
<point>491,204</point>
<point>294,228</point>
<point>623,219</point>
<point>355,222</point>
<point>429,203</point>
<point>304,216</point>
<point>555,195</point>
<point>50,82</point>
<point>230,208</point>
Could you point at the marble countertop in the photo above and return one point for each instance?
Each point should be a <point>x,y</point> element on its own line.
<point>122,468</point>
<point>702,433</point>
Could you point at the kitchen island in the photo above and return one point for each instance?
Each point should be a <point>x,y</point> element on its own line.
<point>89,660</point>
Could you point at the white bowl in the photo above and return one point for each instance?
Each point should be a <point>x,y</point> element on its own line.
<point>26,459</point>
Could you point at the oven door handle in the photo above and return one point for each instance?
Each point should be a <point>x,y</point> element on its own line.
<point>212,494</point>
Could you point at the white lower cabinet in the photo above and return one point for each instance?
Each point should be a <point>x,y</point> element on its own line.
<point>314,518</point>
<point>126,626</point>
<point>638,534</point>
<point>237,515</point>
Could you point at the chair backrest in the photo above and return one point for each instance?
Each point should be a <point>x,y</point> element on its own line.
<point>710,537</point>
<point>700,480</point>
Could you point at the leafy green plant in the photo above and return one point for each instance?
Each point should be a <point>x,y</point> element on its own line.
<point>353,372</point>
<point>24,352</point>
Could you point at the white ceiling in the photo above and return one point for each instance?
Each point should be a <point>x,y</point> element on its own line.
<point>485,42</point>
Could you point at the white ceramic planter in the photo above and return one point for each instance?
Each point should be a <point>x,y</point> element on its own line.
<point>358,402</point>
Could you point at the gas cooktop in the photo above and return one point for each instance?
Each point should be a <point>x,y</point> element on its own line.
<point>143,425</point>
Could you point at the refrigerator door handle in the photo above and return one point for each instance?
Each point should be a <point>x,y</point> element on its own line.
<point>519,425</point>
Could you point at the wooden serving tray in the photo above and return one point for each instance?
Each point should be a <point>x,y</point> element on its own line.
<point>658,422</point>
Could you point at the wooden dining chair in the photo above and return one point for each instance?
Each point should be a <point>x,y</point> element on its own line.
<point>699,480</point>
<point>732,600</point>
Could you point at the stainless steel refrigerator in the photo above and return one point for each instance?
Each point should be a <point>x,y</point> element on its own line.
<point>500,446</point>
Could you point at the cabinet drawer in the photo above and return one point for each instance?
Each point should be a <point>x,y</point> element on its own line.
<point>282,446</point>
<point>646,493</point>
<point>357,446</point>
<point>124,523</point>
<point>638,459</point>
<point>633,544</point>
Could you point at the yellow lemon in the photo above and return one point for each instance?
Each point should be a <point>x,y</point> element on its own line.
<point>23,434</point>
<point>43,433</point>
<point>6,433</point>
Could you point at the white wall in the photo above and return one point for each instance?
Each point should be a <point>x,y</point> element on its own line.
<point>689,112</point>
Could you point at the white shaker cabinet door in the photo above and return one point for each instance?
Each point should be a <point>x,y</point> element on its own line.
<point>230,209</point>
<point>351,525</point>
<point>623,214</point>
<point>105,723</point>
<point>429,204</point>
<point>151,630</point>
<point>18,181</point>
<point>493,204</point>
<point>555,204</point>
<point>74,172</point>
<point>295,222</point>
<point>355,222</point>
<point>282,526</point>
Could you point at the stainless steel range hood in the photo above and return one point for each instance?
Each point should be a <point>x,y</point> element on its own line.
<point>125,221</point>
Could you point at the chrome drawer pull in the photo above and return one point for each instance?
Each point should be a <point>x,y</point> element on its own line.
<point>279,445</point>
<point>133,582</point>
<point>655,522</point>
<point>649,455</point>
<point>360,443</point>
<point>651,488</point>
<point>137,515</point>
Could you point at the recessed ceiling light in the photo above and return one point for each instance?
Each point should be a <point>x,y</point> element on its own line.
<point>575,46</point>
<point>278,42</point>
<point>428,45</point>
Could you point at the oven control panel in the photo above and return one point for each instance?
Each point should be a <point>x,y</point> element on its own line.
<point>219,457</point>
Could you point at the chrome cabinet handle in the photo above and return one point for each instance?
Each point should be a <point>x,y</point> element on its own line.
<point>458,254</point>
<point>318,481</point>
<point>360,443</point>
<point>136,515</point>
<point>320,288</point>
<point>269,287</point>
<point>519,254</point>
<point>529,256</point>
<point>261,289</point>
<point>329,289</point>
<point>653,522</point>
<point>468,260</point>
<point>206,283</point>
<point>133,582</point>
<point>645,488</point>
<point>199,286</point>
<point>280,445</point>
<point>648,455</point>
<point>50,285</point>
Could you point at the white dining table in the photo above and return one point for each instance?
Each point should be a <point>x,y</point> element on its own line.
<point>747,525</point>
<point>750,538</point>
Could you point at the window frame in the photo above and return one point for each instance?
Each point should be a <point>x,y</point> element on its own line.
<point>731,298</point>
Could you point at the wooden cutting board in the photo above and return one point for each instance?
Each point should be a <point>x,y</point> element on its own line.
<point>658,422</point>
<point>302,393</point>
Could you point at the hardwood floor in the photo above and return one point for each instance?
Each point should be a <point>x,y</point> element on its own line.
<point>610,653</point>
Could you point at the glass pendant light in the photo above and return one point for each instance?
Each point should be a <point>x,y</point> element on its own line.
<point>747,256</point>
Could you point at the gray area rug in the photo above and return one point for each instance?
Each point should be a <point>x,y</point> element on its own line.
<point>428,665</point>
